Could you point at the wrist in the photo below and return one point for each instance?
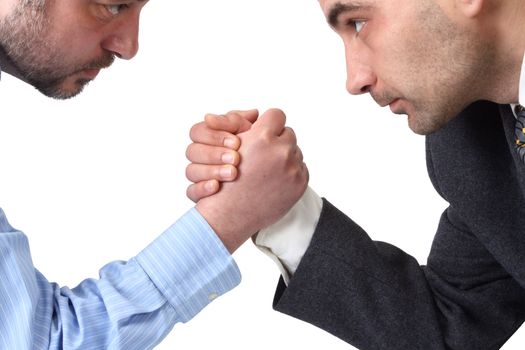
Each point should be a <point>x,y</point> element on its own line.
<point>223,225</point>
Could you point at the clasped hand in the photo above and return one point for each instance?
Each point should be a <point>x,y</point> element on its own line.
<point>246,172</point>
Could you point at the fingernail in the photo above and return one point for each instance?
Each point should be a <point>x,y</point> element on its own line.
<point>227,158</point>
<point>209,186</point>
<point>229,142</point>
<point>226,172</point>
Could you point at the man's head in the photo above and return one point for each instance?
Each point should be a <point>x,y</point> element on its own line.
<point>428,59</point>
<point>58,46</point>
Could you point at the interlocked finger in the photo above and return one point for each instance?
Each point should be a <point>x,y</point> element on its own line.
<point>202,172</point>
<point>199,190</point>
<point>201,133</point>
<point>213,155</point>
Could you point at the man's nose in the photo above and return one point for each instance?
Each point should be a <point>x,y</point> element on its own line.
<point>124,40</point>
<point>359,75</point>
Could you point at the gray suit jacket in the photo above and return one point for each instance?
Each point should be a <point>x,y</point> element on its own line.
<point>470,295</point>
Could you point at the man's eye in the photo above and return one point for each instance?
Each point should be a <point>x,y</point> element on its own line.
<point>116,9</point>
<point>357,25</point>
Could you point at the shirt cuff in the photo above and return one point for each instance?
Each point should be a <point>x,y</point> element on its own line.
<point>286,241</point>
<point>189,265</point>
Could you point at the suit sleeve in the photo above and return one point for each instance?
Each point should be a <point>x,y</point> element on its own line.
<point>374,296</point>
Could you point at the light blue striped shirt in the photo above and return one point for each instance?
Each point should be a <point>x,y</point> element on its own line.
<point>133,305</point>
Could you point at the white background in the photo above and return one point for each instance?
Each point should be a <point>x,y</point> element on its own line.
<point>96,178</point>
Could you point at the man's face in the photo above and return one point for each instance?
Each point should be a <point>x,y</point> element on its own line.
<point>59,46</point>
<point>409,55</point>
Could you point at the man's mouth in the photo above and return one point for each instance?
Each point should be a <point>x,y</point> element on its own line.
<point>90,73</point>
<point>393,103</point>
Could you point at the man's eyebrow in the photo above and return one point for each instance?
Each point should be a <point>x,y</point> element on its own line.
<point>338,9</point>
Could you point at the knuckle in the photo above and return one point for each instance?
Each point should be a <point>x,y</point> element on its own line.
<point>265,134</point>
<point>190,192</point>
<point>307,175</point>
<point>290,135</point>
<point>290,152</point>
<point>189,151</point>
<point>276,111</point>
<point>283,157</point>
<point>195,129</point>
<point>216,138</point>
<point>188,171</point>
<point>220,139</point>
<point>234,120</point>
<point>231,115</point>
<point>298,153</point>
<point>298,171</point>
<point>215,172</point>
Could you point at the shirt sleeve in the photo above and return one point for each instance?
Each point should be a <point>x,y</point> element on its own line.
<point>133,305</point>
<point>286,241</point>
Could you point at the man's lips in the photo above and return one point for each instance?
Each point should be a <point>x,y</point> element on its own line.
<point>383,100</point>
<point>387,102</point>
<point>393,103</point>
<point>396,106</point>
<point>90,73</point>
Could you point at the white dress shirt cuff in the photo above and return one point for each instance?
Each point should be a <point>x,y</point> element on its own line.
<point>286,241</point>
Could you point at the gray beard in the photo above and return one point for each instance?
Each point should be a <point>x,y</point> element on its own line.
<point>29,51</point>
<point>23,50</point>
<point>6,65</point>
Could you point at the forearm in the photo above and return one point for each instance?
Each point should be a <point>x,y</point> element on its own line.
<point>108,313</point>
<point>133,305</point>
<point>375,296</point>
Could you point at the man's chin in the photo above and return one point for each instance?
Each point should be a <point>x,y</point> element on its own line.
<point>422,126</point>
<point>64,90</point>
<point>417,129</point>
<point>413,121</point>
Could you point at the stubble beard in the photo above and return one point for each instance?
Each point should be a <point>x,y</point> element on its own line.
<point>29,44</point>
<point>454,63</point>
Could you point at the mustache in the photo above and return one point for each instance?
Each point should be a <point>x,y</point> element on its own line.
<point>47,81</point>
<point>104,61</point>
<point>382,98</point>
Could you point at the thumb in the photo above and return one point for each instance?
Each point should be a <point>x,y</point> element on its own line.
<point>273,119</point>
<point>250,115</point>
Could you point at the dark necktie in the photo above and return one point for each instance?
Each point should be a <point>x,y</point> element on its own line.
<point>520,132</point>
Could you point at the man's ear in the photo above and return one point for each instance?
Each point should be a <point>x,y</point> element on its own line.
<point>470,8</point>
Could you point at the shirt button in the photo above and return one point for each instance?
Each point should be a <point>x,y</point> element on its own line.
<point>212,296</point>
